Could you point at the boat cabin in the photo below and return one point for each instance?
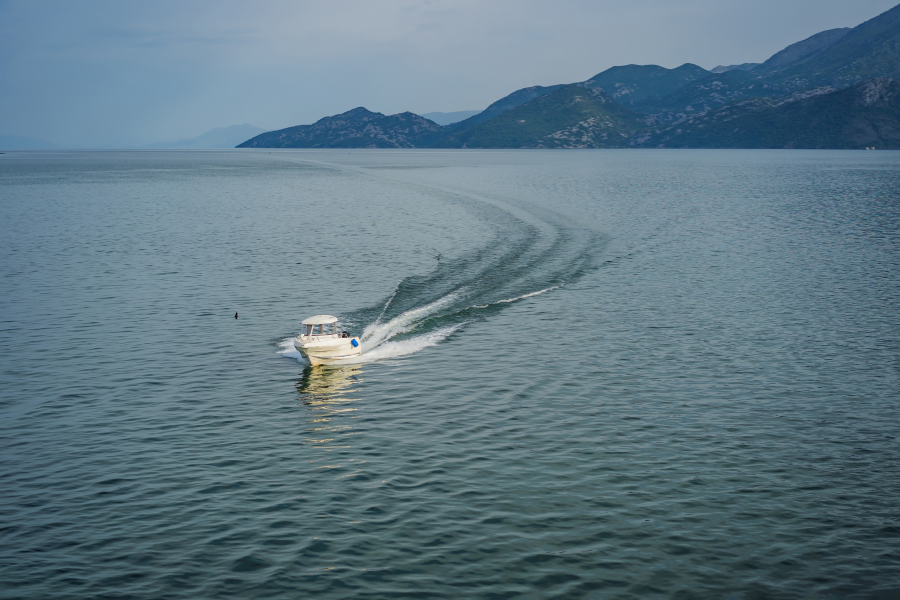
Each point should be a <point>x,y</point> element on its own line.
<point>321,327</point>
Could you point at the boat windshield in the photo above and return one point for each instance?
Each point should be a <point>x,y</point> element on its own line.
<point>323,329</point>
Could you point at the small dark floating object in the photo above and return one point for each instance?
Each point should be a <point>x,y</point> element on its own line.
<point>235,315</point>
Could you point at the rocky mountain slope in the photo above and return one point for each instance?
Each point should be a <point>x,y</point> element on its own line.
<point>632,83</point>
<point>357,128</point>
<point>864,115</point>
<point>701,95</point>
<point>517,98</point>
<point>801,50</point>
<point>572,116</point>
<point>869,50</point>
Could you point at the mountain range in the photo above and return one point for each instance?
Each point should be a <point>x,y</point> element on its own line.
<point>836,89</point>
<point>563,118</point>
<point>357,128</point>
<point>861,116</point>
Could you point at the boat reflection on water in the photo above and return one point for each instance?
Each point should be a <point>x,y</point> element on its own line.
<point>328,381</point>
<point>328,428</point>
<point>325,388</point>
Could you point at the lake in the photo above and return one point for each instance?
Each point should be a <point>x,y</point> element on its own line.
<point>586,374</point>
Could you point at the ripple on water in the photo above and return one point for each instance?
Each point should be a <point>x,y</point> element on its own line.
<point>598,374</point>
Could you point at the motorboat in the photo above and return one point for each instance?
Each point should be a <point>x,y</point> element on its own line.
<point>322,342</point>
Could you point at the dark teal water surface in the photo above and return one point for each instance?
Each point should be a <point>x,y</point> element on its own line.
<point>587,374</point>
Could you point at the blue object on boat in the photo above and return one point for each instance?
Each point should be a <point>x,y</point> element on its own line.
<point>354,343</point>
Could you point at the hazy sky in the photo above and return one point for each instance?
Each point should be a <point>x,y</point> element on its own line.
<point>116,73</point>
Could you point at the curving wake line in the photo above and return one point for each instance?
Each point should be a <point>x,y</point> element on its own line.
<point>375,337</point>
<point>378,333</point>
<point>529,256</point>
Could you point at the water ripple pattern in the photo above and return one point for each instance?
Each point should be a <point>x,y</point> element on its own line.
<point>586,374</point>
<point>522,259</point>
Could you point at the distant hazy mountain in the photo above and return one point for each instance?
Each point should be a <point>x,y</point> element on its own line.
<point>740,67</point>
<point>632,83</point>
<point>442,118</point>
<point>864,115</point>
<point>357,128</point>
<point>572,116</point>
<point>221,137</point>
<point>17,142</point>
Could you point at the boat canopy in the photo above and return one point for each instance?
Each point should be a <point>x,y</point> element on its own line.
<point>320,320</point>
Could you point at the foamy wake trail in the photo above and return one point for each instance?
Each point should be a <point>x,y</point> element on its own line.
<point>376,334</point>
<point>402,347</point>
<point>522,297</point>
<point>374,341</point>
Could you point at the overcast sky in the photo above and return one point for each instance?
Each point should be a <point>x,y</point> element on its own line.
<point>118,73</point>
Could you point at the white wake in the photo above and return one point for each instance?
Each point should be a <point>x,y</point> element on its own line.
<point>288,350</point>
<point>377,333</point>
<point>375,341</point>
<point>522,297</point>
<point>402,347</point>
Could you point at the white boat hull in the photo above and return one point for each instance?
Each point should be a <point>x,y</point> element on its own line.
<point>319,352</point>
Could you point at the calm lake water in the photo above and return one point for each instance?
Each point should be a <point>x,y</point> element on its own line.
<point>587,374</point>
